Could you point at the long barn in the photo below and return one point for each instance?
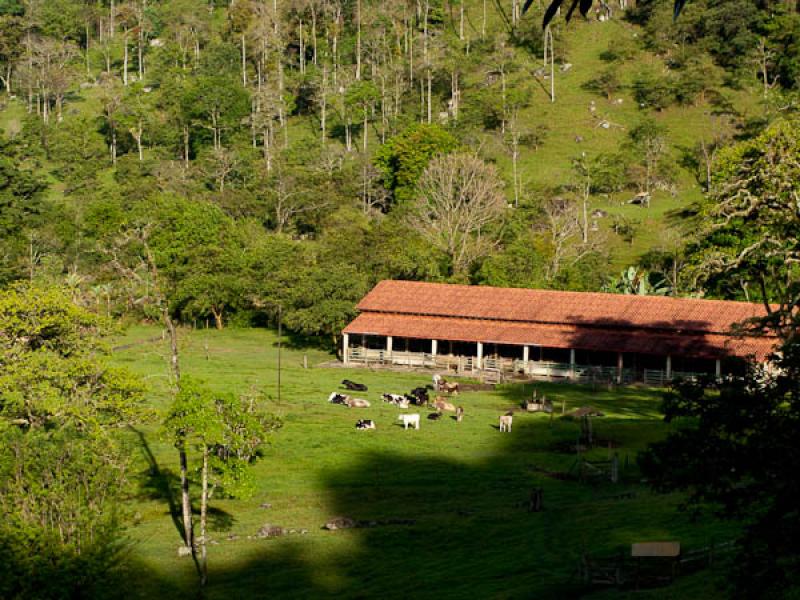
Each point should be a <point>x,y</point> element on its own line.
<point>551,334</point>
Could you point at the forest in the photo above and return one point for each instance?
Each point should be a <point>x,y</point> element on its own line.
<point>224,165</point>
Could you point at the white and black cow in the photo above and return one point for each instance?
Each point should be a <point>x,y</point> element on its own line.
<point>363,424</point>
<point>337,398</point>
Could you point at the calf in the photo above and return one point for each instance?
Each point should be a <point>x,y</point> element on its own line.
<point>459,414</point>
<point>353,386</point>
<point>337,398</point>
<point>434,416</point>
<point>441,404</point>
<point>407,420</point>
<point>505,423</point>
<point>357,403</point>
<point>365,424</point>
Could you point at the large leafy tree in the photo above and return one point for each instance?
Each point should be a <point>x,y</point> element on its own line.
<point>752,239</point>
<point>404,157</point>
<point>63,468</point>
<point>735,449</point>
<point>21,205</point>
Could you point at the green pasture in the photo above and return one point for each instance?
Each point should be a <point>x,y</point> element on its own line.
<point>465,486</point>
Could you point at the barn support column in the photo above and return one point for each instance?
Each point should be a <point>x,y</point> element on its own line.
<point>619,367</point>
<point>669,366</point>
<point>346,348</point>
<point>434,347</point>
<point>526,356</point>
<point>480,356</point>
<point>389,342</point>
<point>718,368</point>
<point>571,363</point>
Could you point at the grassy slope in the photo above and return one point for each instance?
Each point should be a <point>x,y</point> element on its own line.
<point>565,119</point>
<point>463,483</point>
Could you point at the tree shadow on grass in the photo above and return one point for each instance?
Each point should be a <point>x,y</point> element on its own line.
<point>430,527</point>
<point>161,484</point>
<point>433,527</point>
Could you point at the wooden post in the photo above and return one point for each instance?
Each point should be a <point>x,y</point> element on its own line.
<point>615,468</point>
<point>718,368</point>
<point>389,347</point>
<point>526,356</point>
<point>572,363</point>
<point>480,356</point>
<point>434,347</point>
<point>305,361</point>
<point>346,348</point>
<point>619,367</point>
<point>669,367</point>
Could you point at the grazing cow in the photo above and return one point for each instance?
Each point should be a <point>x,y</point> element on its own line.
<point>459,414</point>
<point>357,403</point>
<point>505,423</point>
<point>365,424</point>
<point>337,398</point>
<point>407,420</point>
<point>441,404</point>
<point>434,416</point>
<point>450,388</point>
<point>353,386</point>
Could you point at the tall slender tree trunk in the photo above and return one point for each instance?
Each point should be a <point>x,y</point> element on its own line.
<point>186,502</point>
<point>125,59</point>
<point>358,39</point>
<point>244,60</point>
<point>324,104</point>
<point>204,520</point>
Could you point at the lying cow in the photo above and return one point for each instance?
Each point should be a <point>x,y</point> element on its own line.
<point>407,420</point>
<point>357,403</point>
<point>434,416</point>
<point>393,398</point>
<point>365,424</point>
<point>353,386</point>
<point>419,396</point>
<point>441,404</point>
<point>337,398</point>
<point>505,423</point>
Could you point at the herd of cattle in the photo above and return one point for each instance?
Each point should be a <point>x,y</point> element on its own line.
<point>417,397</point>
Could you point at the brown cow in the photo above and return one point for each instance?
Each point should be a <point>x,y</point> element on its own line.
<point>441,404</point>
<point>450,388</point>
<point>357,403</point>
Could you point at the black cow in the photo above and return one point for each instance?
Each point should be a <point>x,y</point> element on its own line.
<point>435,416</point>
<point>419,396</point>
<point>353,386</point>
<point>365,424</point>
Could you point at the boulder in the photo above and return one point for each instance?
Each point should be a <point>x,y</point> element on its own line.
<point>269,530</point>
<point>339,523</point>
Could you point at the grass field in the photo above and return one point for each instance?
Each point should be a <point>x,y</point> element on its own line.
<point>463,484</point>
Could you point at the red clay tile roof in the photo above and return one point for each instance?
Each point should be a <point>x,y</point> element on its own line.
<point>581,320</point>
